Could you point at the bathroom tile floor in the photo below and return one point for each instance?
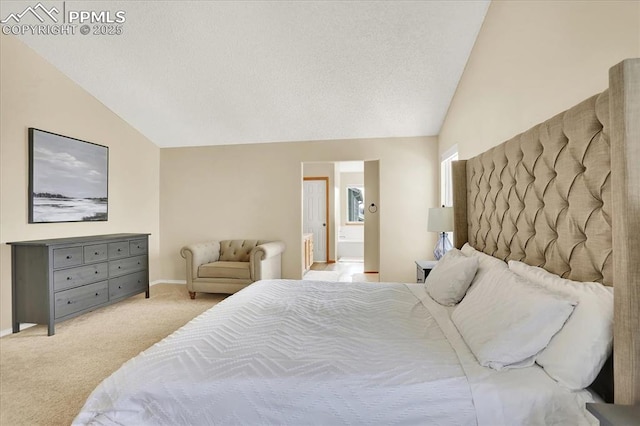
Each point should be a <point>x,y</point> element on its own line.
<point>353,269</point>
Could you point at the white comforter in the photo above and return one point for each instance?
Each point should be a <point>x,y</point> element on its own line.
<point>298,352</point>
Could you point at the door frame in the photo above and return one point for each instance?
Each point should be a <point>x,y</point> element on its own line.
<point>326,213</point>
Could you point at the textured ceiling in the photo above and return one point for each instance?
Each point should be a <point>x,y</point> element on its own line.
<point>215,73</point>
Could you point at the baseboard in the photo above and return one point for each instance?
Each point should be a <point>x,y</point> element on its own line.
<point>183,282</point>
<point>23,326</point>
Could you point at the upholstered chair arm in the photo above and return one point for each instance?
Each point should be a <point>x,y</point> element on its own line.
<point>265,260</point>
<point>266,250</point>
<point>199,254</point>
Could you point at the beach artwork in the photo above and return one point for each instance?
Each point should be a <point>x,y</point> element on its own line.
<point>68,180</point>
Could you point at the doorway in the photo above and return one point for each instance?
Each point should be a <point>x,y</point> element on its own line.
<point>350,212</point>
<point>351,207</point>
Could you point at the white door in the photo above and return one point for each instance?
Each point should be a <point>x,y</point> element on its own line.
<point>314,218</point>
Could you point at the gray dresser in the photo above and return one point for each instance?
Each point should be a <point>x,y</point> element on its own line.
<point>54,280</point>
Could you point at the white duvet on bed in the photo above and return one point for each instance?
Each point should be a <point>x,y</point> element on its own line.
<point>298,352</point>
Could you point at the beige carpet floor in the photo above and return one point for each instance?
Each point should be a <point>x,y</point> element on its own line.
<point>46,380</point>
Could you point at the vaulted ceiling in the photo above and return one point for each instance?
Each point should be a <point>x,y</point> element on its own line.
<point>188,73</point>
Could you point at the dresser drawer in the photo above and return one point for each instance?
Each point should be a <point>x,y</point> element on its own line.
<point>138,247</point>
<point>95,253</point>
<point>127,284</point>
<point>81,298</point>
<point>117,250</point>
<point>67,257</point>
<point>127,266</point>
<point>73,277</point>
<point>58,278</point>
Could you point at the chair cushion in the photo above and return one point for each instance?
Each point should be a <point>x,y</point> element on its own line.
<point>236,250</point>
<point>225,270</point>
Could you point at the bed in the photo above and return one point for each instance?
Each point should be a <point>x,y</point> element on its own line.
<point>304,352</point>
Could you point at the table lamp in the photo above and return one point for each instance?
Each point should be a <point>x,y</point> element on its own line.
<point>441,221</point>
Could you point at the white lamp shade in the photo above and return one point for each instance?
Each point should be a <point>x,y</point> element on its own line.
<point>440,219</point>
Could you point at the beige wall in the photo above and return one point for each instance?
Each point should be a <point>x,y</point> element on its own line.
<point>255,191</point>
<point>35,94</point>
<point>326,170</point>
<point>372,218</point>
<point>336,208</point>
<point>532,60</point>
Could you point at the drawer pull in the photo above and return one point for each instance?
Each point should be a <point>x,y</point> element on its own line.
<point>138,263</point>
<point>97,294</point>
<point>138,246</point>
<point>96,272</point>
<point>139,281</point>
<point>69,257</point>
<point>119,267</point>
<point>119,286</point>
<point>119,250</point>
<point>96,253</point>
<point>68,278</point>
<point>68,302</point>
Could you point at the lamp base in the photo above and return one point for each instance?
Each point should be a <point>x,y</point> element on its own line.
<point>443,246</point>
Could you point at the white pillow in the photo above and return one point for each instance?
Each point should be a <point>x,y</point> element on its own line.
<point>448,281</point>
<point>506,320</point>
<point>485,261</point>
<point>575,355</point>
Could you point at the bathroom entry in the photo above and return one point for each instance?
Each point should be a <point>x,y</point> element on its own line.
<point>351,217</point>
<point>350,239</point>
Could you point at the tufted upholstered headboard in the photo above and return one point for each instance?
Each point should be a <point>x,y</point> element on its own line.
<point>565,195</point>
<point>544,197</point>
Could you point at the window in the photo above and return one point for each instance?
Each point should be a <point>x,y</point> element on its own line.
<point>446,182</point>
<point>355,204</point>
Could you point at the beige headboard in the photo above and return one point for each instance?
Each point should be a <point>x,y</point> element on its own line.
<point>565,195</point>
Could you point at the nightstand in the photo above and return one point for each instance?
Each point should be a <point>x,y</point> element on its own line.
<point>615,415</point>
<point>423,269</point>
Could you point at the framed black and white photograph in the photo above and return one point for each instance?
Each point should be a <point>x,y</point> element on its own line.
<point>68,179</point>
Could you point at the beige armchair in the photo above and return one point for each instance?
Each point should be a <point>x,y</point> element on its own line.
<point>230,265</point>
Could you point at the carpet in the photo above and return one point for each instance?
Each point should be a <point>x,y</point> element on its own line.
<point>46,380</point>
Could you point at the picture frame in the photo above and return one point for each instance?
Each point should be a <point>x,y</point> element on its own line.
<point>68,179</point>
